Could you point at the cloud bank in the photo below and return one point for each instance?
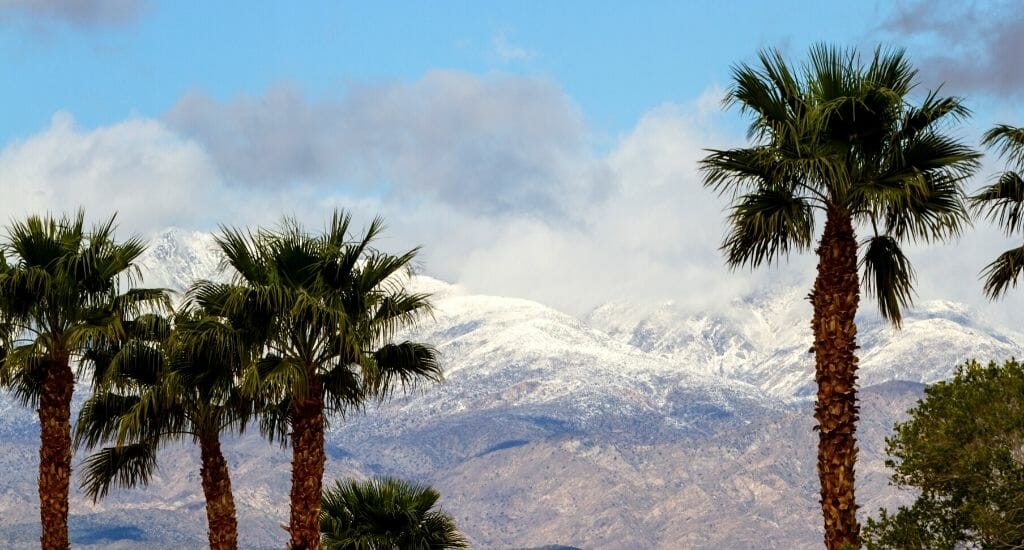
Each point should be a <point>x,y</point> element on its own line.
<point>494,146</point>
<point>978,44</point>
<point>138,168</point>
<point>79,13</point>
<point>497,177</point>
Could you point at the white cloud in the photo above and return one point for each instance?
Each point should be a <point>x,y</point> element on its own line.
<point>655,235</point>
<point>494,145</point>
<point>505,50</point>
<point>138,168</point>
<point>532,212</point>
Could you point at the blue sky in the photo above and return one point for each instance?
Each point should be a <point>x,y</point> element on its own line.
<point>614,60</point>
<point>539,149</point>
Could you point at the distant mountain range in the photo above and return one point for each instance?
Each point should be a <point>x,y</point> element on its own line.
<point>637,426</point>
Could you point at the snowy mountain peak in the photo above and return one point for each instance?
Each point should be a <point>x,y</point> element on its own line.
<point>177,257</point>
<point>758,340</point>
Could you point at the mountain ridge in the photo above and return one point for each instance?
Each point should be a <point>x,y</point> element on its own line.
<point>639,425</point>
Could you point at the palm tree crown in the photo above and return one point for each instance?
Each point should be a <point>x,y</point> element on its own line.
<point>325,310</point>
<point>60,296</point>
<point>162,384</point>
<point>385,514</point>
<point>839,138</point>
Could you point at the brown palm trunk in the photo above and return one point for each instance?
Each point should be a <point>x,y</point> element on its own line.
<point>307,468</point>
<point>835,297</point>
<point>55,453</point>
<point>220,504</point>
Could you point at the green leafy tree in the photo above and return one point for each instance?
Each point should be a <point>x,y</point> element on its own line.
<point>60,296</point>
<point>160,385</point>
<point>963,449</point>
<point>837,140</point>
<point>1003,202</point>
<point>325,310</point>
<point>386,514</point>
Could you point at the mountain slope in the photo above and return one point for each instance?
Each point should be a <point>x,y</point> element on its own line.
<point>764,340</point>
<point>641,426</point>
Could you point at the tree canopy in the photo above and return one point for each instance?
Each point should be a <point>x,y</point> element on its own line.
<point>963,449</point>
<point>386,514</point>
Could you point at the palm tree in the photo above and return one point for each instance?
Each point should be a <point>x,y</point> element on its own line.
<point>162,385</point>
<point>1003,202</point>
<point>325,310</point>
<point>386,514</point>
<point>59,297</point>
<point>840,140</point>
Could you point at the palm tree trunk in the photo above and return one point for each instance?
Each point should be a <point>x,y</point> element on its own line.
<point>55,453</point>
<point>834,298</point>
<point>307,468</point>
<point>220,504</point>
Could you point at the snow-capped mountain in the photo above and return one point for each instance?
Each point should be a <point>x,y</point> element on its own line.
<point>639,426</point>
<point>764,340</point>
<point>176,258</point>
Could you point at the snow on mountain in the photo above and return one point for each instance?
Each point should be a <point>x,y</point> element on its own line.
<point>528,369</point>
<point>176,257</point>
<point>763,339</point>
<point>640,426</point>
<point>723,343</point>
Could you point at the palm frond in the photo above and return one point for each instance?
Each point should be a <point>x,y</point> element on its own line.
<point>1003,202</point>
<point>24,372</point>
<point>275,419</point>
<point>99,419</point>
<point>736,171</point>
<point>933,211</point>
<point>379,269</point>
<point>888,276</point>
<point>140,301</point>
<point>241,253</point>
<point>397,309</point>
<point>385,513</point>
<point>766,225</point>
<point>933,109</point>
<point>771,91</point>
<point>157,416</point>
<point>343,388</point>
<point>337,232</point>
<point>1003,273</point>
<point>890,69</point>
<point>20,289</point>
<point>208,355</point>
<point>124,466</point>
<point>832,72</point>
<point>274,375</point>
<point>1008,141</point>
<point>439,531</point>
<point>208,296</point>
<point>919,195</point>
<point>148,326</point>
<point>403,364</point>
<point>136,363</point>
